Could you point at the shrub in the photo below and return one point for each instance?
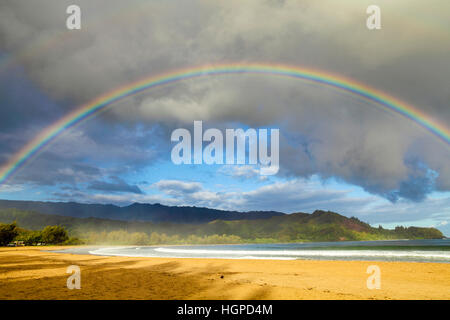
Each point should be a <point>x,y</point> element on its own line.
<point>7,233</point>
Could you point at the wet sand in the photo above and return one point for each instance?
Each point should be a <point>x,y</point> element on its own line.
<point>31,273</point>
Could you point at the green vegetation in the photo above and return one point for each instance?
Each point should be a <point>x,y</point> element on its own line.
<point>7,233</point>
<point>54,234</point>
<point>141,238</point>
<point>49,235</point>
<point>297,227</point>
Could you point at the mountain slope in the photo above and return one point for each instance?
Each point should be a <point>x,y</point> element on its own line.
<point>319,226</point>
<point>135,211</point>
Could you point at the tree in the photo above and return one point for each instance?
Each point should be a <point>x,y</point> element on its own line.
<point>54,234</point>
<point>7,233</point>
<point>32,238</point>
<point>139,238</point>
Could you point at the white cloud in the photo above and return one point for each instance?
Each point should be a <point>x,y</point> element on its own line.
<point>177,187</point>
<point>243,172</point>
<point>10,188</point>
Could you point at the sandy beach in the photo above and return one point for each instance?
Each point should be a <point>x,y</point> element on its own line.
<point>31,273</point>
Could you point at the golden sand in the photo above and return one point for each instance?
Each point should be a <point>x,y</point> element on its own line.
<point>30,273</point>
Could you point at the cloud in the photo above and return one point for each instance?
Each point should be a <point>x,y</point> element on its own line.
<point>442,223</point>
<point>117,186</point>
<point>299,196</point>
<point>420,182</point>
<point>84,155</point>
<point>176,187</point>
<point>433,210</point>
<point>243,172</point>
<point>5,188</point>
<point>324,132</point>
<point>52,170</point>
<point>291,196</point>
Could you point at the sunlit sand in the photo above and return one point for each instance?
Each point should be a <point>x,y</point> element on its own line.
<point>31,273</point>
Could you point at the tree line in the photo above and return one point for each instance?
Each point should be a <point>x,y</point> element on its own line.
<point>10,232</point>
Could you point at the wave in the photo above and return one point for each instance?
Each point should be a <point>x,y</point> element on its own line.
<point>322,254</point>
<point>113,252</point>
<point>314,253</point>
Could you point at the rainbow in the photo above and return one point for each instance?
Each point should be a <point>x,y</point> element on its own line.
<point>84,112</point>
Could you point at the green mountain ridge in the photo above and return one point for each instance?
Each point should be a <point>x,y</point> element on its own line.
<point>318,226</point>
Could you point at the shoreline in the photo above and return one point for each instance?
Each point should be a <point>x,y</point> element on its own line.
<point>364,253</point>
<point>32,273</point>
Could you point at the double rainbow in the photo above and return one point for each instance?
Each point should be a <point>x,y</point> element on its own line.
<point>89,109</point>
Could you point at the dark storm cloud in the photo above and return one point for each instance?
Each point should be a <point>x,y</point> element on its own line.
<point>22,104</point>
<point>24,111</point>
<point>420,182</point>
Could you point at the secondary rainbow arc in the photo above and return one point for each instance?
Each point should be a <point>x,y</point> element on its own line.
<point>89,109</point>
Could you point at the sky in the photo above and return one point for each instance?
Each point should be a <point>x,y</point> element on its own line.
<point>337,151</point>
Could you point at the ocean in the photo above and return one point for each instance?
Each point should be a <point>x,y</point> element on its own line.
<point>392,250</point>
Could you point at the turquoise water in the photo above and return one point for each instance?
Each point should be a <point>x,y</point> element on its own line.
<point>395,250</point>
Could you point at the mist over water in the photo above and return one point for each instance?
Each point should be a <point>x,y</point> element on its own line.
<point>396,250</point>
